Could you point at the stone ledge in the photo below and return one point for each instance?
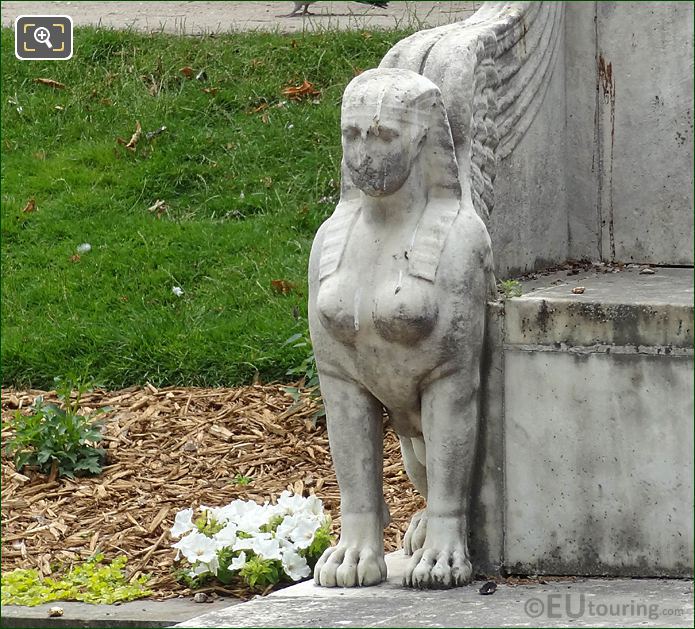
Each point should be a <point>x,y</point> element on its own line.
<point>624,309</point>
<point>391,605</point>
<point>144,613</point>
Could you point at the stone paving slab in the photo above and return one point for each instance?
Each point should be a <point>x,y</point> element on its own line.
<point>584,603</point>
<point>195,18</point>
<point>134,614</point>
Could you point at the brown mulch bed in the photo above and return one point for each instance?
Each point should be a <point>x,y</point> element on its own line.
<point>169,449</point>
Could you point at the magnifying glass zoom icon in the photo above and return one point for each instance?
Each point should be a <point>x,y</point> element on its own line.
<point>43,36</point>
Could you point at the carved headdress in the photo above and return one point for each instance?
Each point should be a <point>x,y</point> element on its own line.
<point>383,90</point>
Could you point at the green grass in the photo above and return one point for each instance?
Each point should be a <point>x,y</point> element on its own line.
<point>245,191</point>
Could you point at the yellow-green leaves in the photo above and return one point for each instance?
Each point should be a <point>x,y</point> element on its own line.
<point>90,582</point>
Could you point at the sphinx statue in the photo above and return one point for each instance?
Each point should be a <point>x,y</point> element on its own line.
<point>399,278</point>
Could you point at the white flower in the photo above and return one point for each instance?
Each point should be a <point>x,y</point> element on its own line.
<point>267,548</point>
<point>248,515</point>
<point>183,522</point>
<point>299,530</point>
<point>313,506</point>
<point>197,547</point>
<point>291,504</point>
<point>205,567</point>
<point>85,247</point>
<point>238,562</point>
<point>226,536</point>
<point>295,565</point>
<point>177,290</point>
<point>247,543</point>
<point>241,522</point>
<point>262,544</point>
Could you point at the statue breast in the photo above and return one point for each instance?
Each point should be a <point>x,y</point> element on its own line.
<point>402,310</point>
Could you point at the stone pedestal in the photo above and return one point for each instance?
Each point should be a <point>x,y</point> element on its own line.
<point>587,439</point>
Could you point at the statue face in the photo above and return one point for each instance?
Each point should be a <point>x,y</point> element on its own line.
<point>379,154</point>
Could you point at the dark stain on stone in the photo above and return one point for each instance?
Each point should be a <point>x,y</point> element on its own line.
<point>606,83</point>
<point>544,314</point>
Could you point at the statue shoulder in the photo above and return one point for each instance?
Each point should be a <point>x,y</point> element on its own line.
<point>316,249</point>
<point>468,242</point>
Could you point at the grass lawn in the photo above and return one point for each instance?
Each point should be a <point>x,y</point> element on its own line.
<point>246,175</point>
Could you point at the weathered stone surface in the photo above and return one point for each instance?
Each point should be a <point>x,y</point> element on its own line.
<point>627,309</point>
<point>629,99</point>
<point>513,83</point>
<point>581,145</point>
<point>136,614</point>
<point>583,603</point>
<point>598,425</point>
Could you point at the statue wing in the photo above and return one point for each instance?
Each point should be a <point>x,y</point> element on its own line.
<point>493,70</point>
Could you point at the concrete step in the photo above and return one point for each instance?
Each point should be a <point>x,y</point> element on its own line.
<point>597,423</point>
<point>139,614</point>
<point>584,603</point>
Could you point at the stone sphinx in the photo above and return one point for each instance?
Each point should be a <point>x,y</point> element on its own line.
<point>534,117</point>
<point>399,278</point>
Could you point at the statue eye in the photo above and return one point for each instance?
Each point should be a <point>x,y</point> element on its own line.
<point>386,134</point>
<point>351,133</point>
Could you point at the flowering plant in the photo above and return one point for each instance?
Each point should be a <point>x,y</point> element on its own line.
<point>262,544</point>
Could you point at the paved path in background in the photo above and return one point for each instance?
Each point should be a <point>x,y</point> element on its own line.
<point>193,18</point>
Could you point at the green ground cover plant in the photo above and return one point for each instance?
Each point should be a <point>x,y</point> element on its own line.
<point>179,258</point>
<point>92,581</point>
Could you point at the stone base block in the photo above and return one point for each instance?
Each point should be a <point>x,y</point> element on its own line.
<point>598,425</point>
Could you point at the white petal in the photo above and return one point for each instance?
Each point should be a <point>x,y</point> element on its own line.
<point>238,562</point>
<point>183,522</point>
<point>295,566</point>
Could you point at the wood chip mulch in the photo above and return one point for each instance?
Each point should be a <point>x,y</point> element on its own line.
<point>169,449</point>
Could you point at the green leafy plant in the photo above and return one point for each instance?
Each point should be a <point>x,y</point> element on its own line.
<point>307,371</point>
<point>307,368</point>
<point>51,436</point>
<point>90,582</point>
<point>260,573</point>
<point>510,288</point>
<point>241,479</point>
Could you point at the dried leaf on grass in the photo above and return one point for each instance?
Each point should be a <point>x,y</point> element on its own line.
<point>282,286</point>
<point>298,92</point>
<point>131,145</point>
<point>51,83</point>
<point>30,206</point>
<point>169,449</point>
<point>259,108</point>
<point>159,208</point>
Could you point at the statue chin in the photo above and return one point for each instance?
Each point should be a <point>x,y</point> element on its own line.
<point>378,189</point>
<point>370,191</point>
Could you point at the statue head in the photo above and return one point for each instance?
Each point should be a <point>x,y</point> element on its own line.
<point>385,120</point>
<point>391,119</point>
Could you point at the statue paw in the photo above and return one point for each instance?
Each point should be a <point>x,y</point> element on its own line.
<point>431,568</point>
<point>350,566</point>
<point>415,535</point>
